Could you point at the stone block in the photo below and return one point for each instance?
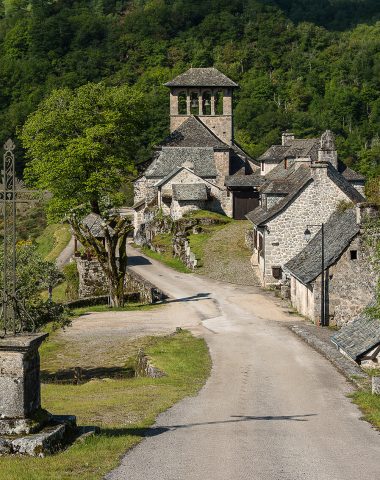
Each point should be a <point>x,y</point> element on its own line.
<point>20,392</point>
<point>5,446</point>
<point>40,444</point>
<point>376,385</point>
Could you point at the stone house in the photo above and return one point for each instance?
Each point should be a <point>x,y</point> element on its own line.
<point>302,184</point>
<point>350,278</point>
<point>199,150</point>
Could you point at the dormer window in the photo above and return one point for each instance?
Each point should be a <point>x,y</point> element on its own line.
<point>206,103</point>
<point>182,103</point>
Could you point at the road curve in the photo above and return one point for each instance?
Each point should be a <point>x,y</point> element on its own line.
<point>272,409</point>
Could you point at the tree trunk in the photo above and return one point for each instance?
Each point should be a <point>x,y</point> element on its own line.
<point>111,255</point>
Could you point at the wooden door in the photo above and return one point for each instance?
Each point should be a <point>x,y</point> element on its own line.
<point>244,201</point>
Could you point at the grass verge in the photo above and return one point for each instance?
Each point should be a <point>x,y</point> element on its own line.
<point>369,404</point>
<point>167,259</point>
<point>124,408</point>
<point>53,240</point>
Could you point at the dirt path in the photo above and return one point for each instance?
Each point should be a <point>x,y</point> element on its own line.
<point>226,257</point>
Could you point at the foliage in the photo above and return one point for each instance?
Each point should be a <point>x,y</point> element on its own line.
<point>301,65</point>
<point>81,145</point>
<point>32,275</point>
<point>370,406</point>
<point>71,274</point>
<point>372,239</point>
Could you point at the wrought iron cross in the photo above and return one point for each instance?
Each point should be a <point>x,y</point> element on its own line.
<point>13,314</point>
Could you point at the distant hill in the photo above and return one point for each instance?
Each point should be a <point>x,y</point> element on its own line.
<point>302,65</point>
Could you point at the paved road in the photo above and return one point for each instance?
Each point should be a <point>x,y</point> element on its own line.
<point>273,409</point>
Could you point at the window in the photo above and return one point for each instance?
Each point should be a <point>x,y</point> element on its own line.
<point>277,273</point>
<point>262,166</point>
<point>219,103</point>
<point>182,103</point>
<point>206,103</point>
<point>354,254</point>
<point>194,103</point>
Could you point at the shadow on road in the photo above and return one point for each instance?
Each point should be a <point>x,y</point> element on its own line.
<point>154,431</point>
<point>193,298</point>
<point>135,260</point>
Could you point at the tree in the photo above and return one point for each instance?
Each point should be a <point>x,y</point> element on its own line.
<point>80,147</point>
<point>33,274</point>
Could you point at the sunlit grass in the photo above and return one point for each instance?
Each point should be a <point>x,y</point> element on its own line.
<point>121,407</point>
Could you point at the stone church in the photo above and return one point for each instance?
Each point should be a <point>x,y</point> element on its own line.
<point>199,165</point>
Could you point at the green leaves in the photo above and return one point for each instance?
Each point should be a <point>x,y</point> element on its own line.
<point>81,144</point>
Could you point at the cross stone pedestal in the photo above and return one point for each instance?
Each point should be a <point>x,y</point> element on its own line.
<point>20,390</point>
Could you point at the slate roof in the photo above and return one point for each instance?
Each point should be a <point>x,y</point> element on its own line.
<point>349,174</point>
<point>358,337</point>
<point>193,133</point>
<point>291,181</point>
<point>202,77</point>
<point>340,230</point>
<point>253,180</point>
<point>344,185</point>
<point>94,222</point>
<point>296,148</point>
<point>299,179</point>
<point>189,191</point>
<point>201,160</point>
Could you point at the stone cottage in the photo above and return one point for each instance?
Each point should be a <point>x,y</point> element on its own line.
<point>303,183</point>
<point>200,152</point>
<point>350,278</point>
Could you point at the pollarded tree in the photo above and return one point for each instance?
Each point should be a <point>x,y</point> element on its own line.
<point>81,147</point>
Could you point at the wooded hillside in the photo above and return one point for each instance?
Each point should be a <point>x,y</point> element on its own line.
<point>302,65</point>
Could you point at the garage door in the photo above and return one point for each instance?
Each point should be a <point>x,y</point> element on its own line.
<point>244,201</point>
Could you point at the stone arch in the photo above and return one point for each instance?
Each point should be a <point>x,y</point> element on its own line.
<point>194,103</point>
<point>206,103</point>
<point>219,96</point>
<point>182,103</point>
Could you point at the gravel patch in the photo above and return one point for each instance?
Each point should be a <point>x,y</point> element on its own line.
<point>226,257</point>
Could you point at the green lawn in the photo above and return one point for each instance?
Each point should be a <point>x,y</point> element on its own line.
<point>53,240</point>
<point>122,407</point>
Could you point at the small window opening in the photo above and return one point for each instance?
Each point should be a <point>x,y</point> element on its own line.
<point>194,103</point>
<point>206,103</point>
<point>219,103</point>
<point>182,103</point>
<point>262,166</point>
<point>277,272</point>
<point>286,163</point>
<point>354,254</point>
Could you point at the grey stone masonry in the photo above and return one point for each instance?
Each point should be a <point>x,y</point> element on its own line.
<point>376,385</point>
<point>20,391</point>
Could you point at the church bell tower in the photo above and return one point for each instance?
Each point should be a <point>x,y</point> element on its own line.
<point>207,94</point>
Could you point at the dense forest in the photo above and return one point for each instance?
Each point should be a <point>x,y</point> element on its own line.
<point>303,65</point>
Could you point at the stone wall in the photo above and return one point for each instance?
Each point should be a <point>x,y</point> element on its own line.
<point>182,250</point>
<point>314,204</point>
<point>92,282</point>
<point>351,284</point>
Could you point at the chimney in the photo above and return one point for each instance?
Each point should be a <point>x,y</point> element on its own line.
<point>366,211</point>
<point>287,139</point>
<point>327,151</point>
